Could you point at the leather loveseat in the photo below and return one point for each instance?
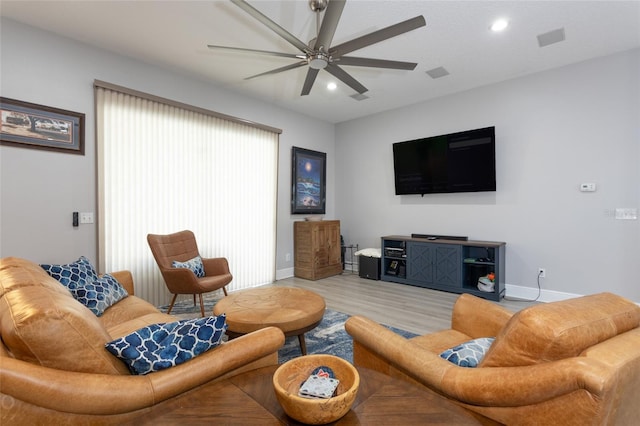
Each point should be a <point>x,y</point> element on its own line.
<point>54,368</point>
<point>573,362</point>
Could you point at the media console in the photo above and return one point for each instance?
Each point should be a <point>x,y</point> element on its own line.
<point>444,264</point>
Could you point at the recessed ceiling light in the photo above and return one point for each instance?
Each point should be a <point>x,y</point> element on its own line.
<point>499,25</point>
<point>332,86</point>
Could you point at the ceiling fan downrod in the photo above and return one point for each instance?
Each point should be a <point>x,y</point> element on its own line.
<point>318,5</point>
<point>318,59</point>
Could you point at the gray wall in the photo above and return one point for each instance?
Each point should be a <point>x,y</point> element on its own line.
<point>554,130</point>
<point>39,190</point>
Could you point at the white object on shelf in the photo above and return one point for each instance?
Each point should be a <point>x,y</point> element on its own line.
<point>369,252</point>
<point>485,284</point>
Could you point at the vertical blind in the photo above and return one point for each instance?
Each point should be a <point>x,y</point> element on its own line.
<point>163,169</point>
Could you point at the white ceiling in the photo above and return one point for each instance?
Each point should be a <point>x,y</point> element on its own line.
<point>175,34</point>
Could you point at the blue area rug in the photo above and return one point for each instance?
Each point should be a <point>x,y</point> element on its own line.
<point>329,337</point>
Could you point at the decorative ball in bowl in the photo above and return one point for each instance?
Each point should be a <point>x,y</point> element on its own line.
<point>289,377</point>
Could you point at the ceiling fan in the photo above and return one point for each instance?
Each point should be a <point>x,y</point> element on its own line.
<point>319,54</point>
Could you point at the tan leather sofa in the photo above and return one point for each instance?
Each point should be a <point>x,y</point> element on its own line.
<point>573,362</point>
<point>54,368</point>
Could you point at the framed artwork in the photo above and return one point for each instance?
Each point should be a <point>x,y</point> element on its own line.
<point>308,180</point>
<point>41,127</point>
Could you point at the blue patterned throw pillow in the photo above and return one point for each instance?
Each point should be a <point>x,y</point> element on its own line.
<point>94,292</point>
<point>194,264</point>
<point>160,346</point>
<point>468,354</point>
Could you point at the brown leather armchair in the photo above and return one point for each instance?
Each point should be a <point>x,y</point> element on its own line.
<point>573,362</point>
<point>182,246</point>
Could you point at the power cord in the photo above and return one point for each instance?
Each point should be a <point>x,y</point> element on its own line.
<point>528,300</point>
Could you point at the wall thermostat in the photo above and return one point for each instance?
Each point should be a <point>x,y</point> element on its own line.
<point>587,187</point>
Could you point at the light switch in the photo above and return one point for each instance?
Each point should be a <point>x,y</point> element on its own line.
<point>86,217</point>
<point>626,213</point>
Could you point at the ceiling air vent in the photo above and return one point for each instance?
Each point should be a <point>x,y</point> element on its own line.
<point>437,72</point>
<point>551,37</point>
<point>359,97</point>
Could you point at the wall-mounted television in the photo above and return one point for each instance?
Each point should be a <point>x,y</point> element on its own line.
<point>457,162</point>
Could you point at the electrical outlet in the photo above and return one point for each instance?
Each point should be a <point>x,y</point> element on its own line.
<point>542,273</point>
<point>287,257</point>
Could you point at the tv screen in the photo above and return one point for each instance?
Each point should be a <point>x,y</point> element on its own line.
<point>457,162</point>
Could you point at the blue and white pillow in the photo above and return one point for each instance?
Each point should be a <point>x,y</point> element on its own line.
<point>161,346</point>
<point>468,354</point>
<point>194,264</point>
<point>94,292</point>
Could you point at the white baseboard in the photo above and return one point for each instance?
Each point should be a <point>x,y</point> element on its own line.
<point>530,293</point>
<point>284,273</point>
<point>281,274</point>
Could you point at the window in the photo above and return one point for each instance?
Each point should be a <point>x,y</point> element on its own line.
<point>164,167</point>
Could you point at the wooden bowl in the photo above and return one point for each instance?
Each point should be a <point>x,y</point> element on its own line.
<point>290,375</point>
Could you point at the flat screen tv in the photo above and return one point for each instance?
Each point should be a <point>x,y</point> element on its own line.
<point>457,162</point>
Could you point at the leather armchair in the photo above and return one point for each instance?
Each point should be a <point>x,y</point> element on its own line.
<point>575,362</point>
<point>182,246</point>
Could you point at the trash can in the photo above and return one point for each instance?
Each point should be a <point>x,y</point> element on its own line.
<point>369,263</point>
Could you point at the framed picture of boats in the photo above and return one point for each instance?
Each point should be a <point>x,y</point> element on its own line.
<point>308,181</point>
<point>37,126</point>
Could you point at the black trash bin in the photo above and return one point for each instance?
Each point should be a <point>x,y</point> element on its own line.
<point>369,267</point>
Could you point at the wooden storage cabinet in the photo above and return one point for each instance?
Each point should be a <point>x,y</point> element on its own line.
<point>448,265</point>
<point>317,249</point>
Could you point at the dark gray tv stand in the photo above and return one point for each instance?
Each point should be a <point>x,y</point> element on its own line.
<point>441,264</point>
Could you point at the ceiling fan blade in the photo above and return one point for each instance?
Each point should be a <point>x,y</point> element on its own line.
<point>329,24</point>
<point>343,76</point>
<point>271,25</point>
<point>308,81</point>
<point>261,52</point>
<point>377,36</point>
<point>281,69</point>
<point>375,63</point>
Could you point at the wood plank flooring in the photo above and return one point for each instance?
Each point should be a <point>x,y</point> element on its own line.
<point>410,308</point>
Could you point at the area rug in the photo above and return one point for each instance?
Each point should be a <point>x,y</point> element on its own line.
<point>329,337</point>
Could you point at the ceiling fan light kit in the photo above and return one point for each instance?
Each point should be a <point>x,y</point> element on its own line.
<point>319,54</point>
<point>318,61</point>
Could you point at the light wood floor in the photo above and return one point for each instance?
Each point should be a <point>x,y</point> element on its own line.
<point>410,308</point>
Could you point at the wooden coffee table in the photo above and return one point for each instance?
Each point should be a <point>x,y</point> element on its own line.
<point>293,310</point>
<point>249,399</point>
